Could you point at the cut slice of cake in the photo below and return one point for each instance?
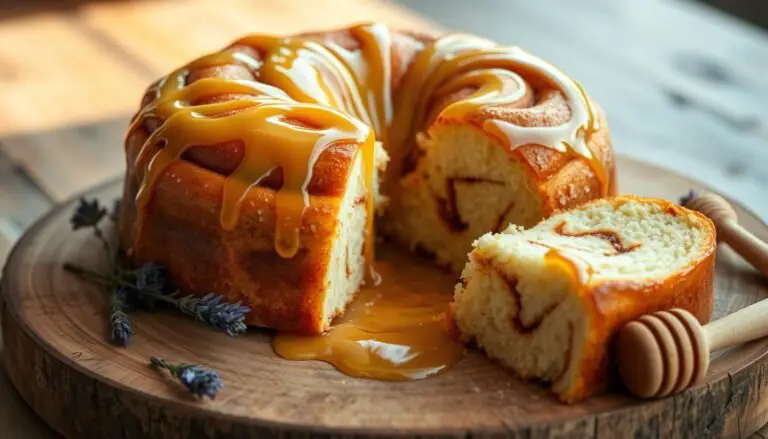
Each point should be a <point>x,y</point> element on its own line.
<point>546,302</point>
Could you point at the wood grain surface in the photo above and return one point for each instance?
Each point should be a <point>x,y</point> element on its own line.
<point>57,356</point>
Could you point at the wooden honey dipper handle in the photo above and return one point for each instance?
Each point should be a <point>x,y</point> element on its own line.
<point>749,246</point>
<point>666,351</point>
<point>744,325</point>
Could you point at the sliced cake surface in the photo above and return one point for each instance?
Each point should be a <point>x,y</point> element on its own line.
<point>546,301</point>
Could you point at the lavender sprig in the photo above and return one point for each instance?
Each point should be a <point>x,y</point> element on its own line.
<point>685,199</point>
<point>200,381</point>
<point>209,309</point>
<point>89,214</point>
<point>121,328</point>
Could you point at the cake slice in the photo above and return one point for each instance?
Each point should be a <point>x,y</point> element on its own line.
<point>546,302</point>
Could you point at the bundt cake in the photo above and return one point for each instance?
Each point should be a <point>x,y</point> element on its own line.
<point>546,301</point>
<point>255,171</point>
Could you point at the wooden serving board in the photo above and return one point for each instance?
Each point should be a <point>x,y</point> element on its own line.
<point>57,356</point>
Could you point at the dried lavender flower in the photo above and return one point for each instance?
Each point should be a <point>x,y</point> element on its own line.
<point>211,310</point>
<point>147,282</point>
<point>685,199</point>
<point>152,276</point>
<point>87,214</point>
<point>200,381</point>
<point>121,328</point>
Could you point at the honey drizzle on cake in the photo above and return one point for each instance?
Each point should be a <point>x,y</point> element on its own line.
<point>309,95</point>
<point>371,68</point>
<point>277,131</point>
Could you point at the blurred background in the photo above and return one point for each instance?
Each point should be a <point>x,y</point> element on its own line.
<point>683,83</point>
<point>754,11</point>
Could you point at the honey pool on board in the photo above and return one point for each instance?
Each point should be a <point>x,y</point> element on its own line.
<point>398,330</point>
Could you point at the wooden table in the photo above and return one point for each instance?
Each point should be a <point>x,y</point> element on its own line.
<point>683,86</point>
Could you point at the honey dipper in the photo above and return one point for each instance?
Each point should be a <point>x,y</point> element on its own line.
<point>664,352</point>
<point>749,246</point>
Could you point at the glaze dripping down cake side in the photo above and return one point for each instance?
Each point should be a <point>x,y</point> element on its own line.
<point>546,302</point>
<point>256,171</point>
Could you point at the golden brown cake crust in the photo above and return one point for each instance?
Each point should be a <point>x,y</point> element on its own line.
<point>182,228</point>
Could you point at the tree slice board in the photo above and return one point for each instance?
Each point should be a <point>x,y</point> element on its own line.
<point>58,357</point>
